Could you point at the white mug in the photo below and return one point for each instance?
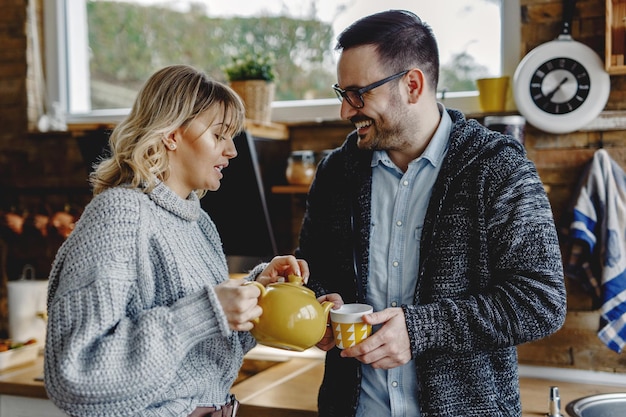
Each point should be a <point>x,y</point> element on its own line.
<point>347,324</point>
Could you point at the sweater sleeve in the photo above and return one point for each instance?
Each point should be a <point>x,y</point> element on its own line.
<point>101,346</point>
<point>492,275</point>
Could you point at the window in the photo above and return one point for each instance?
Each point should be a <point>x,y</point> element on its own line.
<point>470,35</point>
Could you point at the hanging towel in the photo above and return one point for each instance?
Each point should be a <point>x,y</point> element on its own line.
<point>599,230</point>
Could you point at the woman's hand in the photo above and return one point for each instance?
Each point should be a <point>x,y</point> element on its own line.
<point>239,302</point>
<point>283,266</point>
<point>328,340</point>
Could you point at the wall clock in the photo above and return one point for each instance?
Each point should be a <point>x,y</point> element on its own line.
<point>561,85</point>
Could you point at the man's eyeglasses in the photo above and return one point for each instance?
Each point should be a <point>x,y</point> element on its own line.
<point>354,96</point>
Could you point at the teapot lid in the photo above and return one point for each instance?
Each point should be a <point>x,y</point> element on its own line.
<point>295,279</point>
<point>293,282</point>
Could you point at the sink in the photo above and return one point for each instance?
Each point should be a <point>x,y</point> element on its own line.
<point>599,405</point>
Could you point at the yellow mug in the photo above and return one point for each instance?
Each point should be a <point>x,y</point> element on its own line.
<point>492,93</point>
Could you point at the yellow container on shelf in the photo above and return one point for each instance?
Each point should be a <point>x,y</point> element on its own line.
<point>492,93</point>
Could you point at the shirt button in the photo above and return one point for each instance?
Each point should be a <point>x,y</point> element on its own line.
<point>399,223</point>
<point>405,183</point>
<point>394,384</point>
<point>394,304</point>
<point>395,264</point>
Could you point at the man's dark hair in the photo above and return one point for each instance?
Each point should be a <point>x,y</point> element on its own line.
<point>401,39</point>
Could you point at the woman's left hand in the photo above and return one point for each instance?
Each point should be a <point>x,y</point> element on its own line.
<point>283,266</point>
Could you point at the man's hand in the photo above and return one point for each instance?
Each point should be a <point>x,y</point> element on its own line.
<point>388,347</point>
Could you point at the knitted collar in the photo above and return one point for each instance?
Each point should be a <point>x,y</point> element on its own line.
<point>188,209</point>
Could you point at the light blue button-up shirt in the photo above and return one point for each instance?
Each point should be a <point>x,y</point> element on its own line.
<point>399,203</point>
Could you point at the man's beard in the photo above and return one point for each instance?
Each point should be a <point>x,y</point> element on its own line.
<point>386,134</point>
<point>382,138</point>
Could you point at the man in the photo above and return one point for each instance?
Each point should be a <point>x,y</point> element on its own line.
<point>439,223</point>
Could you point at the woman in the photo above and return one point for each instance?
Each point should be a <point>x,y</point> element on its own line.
<point>143,318</point>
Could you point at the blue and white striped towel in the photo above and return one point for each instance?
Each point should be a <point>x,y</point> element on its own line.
<point>600,219</point>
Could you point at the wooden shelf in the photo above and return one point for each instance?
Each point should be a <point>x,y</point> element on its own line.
<point>290,189</point>
<point>267,130</point>
<point>262,130</point>
<point>615,37</point>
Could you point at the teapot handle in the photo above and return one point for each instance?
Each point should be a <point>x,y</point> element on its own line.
<point>263,292</point>
<point>259,285</point>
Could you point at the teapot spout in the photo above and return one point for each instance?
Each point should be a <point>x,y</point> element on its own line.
<point>326,305</point>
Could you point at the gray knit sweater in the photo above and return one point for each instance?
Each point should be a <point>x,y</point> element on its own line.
<point>490,273</point>
<point>134,326</point>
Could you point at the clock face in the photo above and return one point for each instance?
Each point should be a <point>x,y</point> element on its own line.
<point>560,85</point>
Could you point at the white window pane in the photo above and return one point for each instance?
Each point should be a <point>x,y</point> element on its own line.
<point>468,32</point>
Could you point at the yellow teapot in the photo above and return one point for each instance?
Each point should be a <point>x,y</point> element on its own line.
<point>292,317</point>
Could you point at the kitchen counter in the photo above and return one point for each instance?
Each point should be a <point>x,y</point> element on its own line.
<point>289,388</point>
<point>24,380</point>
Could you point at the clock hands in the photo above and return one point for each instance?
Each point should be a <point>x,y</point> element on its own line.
<point>557,88</point>
<point>562,79</point>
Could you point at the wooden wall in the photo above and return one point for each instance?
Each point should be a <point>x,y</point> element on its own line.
<point>560,160</point>
<point>12,104</point>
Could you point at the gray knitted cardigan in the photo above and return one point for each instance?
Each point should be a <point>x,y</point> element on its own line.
<point>490,273</point>
<point>135,328</point>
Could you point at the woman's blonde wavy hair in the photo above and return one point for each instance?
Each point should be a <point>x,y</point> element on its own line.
<point>171,98</point>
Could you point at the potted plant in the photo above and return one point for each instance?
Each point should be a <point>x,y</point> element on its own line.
<point>252,77</point>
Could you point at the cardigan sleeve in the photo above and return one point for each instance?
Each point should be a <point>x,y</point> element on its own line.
<point>491,275</point>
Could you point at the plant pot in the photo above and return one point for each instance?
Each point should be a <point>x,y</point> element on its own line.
<point>257,96</point>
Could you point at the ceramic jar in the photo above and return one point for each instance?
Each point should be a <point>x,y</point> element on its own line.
<point>300,167</point>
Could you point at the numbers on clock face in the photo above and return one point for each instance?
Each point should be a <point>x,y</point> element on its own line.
<point>560,85</point>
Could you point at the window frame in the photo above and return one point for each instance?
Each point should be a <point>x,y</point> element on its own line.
<point>58,12</point>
